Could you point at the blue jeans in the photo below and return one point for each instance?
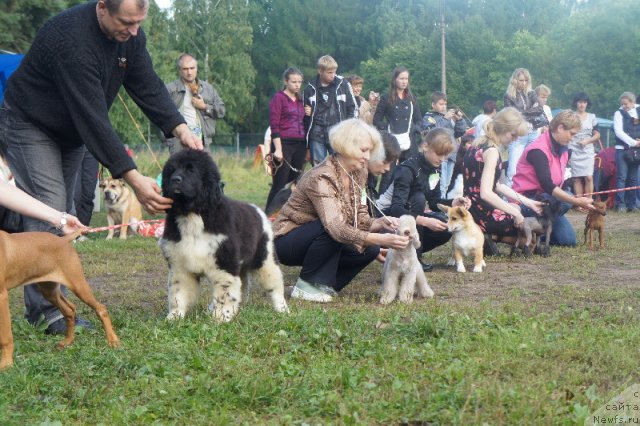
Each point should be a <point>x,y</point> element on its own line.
<point>516,148</point>
<point>562,233</point>
<point>48,173</point>
<point>446,171</point>
<point>320,149</point>
<point>627,176</point>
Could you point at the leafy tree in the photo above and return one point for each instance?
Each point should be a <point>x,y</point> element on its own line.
<point>21,19</point>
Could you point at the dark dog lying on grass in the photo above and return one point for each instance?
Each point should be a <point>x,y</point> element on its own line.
<point>536,226</point>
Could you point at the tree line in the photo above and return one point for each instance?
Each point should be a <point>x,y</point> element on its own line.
<point>243,46</point>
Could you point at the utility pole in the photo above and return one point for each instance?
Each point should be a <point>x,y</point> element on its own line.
<point>443,55</point>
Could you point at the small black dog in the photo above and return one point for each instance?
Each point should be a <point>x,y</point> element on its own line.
<point>538,226</point>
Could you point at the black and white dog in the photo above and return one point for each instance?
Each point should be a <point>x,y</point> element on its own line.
<point>209,235</point>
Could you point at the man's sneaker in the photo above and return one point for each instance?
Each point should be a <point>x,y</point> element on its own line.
<point>306,291</point>
<point>621,209</point>
<point>60,326</point>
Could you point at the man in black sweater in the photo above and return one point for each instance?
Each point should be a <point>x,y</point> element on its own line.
<point>58,100</point>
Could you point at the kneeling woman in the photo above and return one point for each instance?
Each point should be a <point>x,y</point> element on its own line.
<point>482,168</point>
<point>541,170</point>
<point>325,226</point>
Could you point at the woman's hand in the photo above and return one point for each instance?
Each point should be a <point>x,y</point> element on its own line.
<point>394,241</point>
<point>518,219</point>
<point>461,202</point>
<point>73,224</point>
<point>534,205</point>
<point>583,202</point>
<point>387,223</point>
<point>277,154</point>
<point>431,223</point>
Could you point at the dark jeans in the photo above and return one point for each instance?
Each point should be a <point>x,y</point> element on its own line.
<point>323,260</point>
<point>320,149</point>
<point>86,187</point>
<point>294,152</point>
<point>431,239</point>
<point>627,177</point>
<point>46,172</point>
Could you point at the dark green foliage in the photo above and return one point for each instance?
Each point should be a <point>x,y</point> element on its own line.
<point>243,47</point>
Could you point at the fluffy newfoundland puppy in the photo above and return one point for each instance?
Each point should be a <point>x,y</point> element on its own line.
<point>209,235</point>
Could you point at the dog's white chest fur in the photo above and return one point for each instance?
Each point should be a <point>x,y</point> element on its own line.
<point>195,252</point>
<point>464,242</point>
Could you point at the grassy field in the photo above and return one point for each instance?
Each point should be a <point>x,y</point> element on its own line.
<point>536,341</point>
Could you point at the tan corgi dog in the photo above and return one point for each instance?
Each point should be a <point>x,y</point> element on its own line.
<point>467,237</point>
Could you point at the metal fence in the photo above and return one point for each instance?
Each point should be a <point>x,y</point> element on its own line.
<point>236,143</point>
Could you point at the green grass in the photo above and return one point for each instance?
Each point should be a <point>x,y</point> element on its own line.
<point>539,341</point>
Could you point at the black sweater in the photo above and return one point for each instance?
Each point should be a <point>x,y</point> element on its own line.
<point>414,188</point>
<point>70,77</point>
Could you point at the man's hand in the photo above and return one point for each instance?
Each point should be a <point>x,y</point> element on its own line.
<point>148,192</point>
<point>198,102</point>
<point>187,138</point>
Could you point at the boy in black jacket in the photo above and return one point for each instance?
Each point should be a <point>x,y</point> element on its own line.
<point>415,190</point>
<point>328,100</point>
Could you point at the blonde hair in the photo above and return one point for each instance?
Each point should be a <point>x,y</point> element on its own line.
<point>326,62</point>
<point>439,140</point>
<point>507,120</point>
<point>542,90</point>
<point>512,86</point>
<point>345,138</point>
<point>566,118</point>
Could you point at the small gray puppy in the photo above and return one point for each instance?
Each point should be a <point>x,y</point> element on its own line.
<point>402,274</point>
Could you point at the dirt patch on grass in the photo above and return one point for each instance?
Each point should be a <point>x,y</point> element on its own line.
<point>572,277</point>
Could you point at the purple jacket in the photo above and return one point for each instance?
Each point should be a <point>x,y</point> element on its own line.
<point>285,117</point>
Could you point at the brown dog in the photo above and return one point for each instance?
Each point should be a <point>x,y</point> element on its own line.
<point>45,259</point>
<point>595,222</point>
<point>123,208</point>
<point>467,237</point>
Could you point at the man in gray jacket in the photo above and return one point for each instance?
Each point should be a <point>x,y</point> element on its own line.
<point>197,100</point>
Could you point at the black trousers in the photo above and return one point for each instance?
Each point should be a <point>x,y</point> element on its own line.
<point>294,152</point>
<point>431,239</point>
<point>323,260</point>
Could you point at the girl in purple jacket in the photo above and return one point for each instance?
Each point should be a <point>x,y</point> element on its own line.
<point>288,147</point>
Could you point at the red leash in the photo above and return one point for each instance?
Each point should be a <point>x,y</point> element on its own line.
<point>106,228</point>
<point>609,191</point>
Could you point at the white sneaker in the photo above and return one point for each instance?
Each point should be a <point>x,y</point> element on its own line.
<point>319,297</point>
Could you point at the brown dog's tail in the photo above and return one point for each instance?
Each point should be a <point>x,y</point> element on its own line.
<point>74,235</point>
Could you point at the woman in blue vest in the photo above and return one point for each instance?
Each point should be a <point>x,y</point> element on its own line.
<point>627,129</point>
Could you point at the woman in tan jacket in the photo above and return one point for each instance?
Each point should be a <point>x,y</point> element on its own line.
<point>325,226</point>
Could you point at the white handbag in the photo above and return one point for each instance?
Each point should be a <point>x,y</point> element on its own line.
<point>403,138</point>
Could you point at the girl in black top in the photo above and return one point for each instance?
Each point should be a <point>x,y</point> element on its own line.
<point>399,113</point>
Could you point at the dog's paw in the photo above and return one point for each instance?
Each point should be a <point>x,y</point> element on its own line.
<point>385,299</point>
<point>225,314</point>
<point>484,264</point>
<point>426,292</point>
<point>282,308</point>
<point>477,268</point>
<point>461,268</point>
<point>451,262</point>
<point>175,315</point>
